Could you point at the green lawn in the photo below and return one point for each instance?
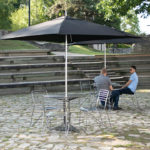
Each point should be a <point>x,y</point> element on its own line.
<point>84,50</point>
<point>15,45</point>
<point>23,45</point>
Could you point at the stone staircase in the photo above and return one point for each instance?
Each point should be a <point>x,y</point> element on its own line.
<point>21,74</point>
<point>117,66</point>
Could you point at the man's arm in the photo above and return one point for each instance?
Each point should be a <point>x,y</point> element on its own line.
<point>110,87</point>
<point>126,84</point>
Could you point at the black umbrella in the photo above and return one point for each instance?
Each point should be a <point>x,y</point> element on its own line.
<point>69,30</point>
<point>75,29</point>
<point>111,41</point>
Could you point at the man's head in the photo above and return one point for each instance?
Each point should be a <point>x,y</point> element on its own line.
<point>104,71</point>
<point>132,69</point>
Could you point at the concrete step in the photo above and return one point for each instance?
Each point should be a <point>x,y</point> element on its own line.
<point>97,71</point>
<point>31,67</point>
<point>31,59</point>
<point>112,63</point>
<point>93,75</point>
<point>25,52</point>
<point>83,59</point>
<point>98,58</point>
<point>125,57</point>
<point>51,86</point>
<point>39,76</point>
<point>145,70</point>
<point>54,82</point>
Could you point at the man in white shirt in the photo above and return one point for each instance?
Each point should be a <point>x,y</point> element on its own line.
<point>128,88</point>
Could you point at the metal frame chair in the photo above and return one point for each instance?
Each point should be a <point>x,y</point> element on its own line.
<point>134,99</point>
<point>37,106</point>
<point>41,107</point>
<point>104,97</point>
<point>88,107</point>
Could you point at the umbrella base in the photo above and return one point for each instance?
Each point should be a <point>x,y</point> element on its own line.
<point>63,127</point>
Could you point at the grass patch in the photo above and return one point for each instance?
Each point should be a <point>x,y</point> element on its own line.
<point>15,45</point>
<point>134,130</point>
<point>84,50</point>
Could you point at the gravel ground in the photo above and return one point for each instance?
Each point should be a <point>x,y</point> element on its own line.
<point>129,129</point>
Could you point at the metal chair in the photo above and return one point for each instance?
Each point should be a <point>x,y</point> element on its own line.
<point>88,111</point>
<point>37,106</point>
<point>49,114</point>
<point>103,104</point>
<point>135,100</point>
<point>42,109</point>
<point>104,99</point>
<point>85,111</point>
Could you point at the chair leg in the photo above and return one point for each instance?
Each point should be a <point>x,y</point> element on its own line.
<point>135,102</point>
<point>108,117</point>
<point>32,116</point>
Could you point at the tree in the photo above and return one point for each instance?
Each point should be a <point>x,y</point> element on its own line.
<point>121,7</point>
<point>84,9</point>
<point>110,12</point>
<point>6,8</point>
<point>130,23</point>
<point>4,15</point>
<point>19,18</point>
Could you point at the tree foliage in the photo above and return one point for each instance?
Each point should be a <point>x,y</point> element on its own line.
<point>130,23</point>
<point>121,7</point>
<point>4,15</point>
<point>19,18</point>
<point>84,9</point>
<point>6,8</point>
<point>100,11</point>
<point>120,14</point>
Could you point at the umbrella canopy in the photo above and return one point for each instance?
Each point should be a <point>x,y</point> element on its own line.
<point>75,29</point>
<point>111,41</point>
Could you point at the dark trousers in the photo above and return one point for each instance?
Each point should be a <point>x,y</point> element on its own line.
<point>116,93</point>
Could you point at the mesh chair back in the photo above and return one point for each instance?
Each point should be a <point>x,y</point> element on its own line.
<point>103,96</point>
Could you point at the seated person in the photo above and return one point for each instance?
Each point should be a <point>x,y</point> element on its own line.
<point>128,88</point>
<point>103,82</point>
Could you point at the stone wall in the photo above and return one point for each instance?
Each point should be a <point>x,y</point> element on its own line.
<point>120,50</point>
<point>100,47</point>
<point>143,46</point>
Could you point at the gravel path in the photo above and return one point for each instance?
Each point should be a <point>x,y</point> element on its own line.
<point>129,128</point>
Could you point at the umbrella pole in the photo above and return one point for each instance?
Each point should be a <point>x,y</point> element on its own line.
<point>66,85</point>
<point>105,57</point>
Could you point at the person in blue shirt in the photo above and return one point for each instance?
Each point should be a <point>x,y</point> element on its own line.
<point>128,88</point>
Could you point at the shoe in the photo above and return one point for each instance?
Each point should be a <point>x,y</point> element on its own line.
<point>117,108</point>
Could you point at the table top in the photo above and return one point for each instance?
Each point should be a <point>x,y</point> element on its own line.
<point>71,96</point>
